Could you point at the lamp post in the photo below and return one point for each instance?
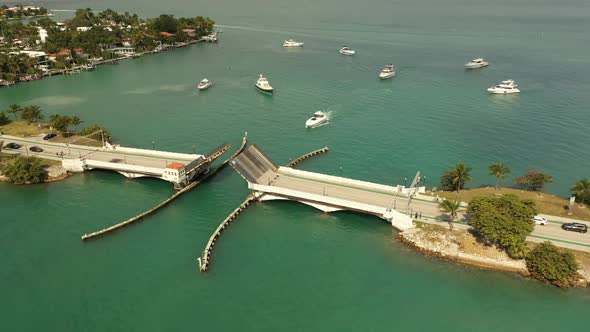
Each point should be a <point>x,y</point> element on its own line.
<point>153,145</point>
<point>405,181</point>
<point>340,168</point>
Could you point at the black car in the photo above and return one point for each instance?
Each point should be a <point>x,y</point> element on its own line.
<point>35,149</point>
<point>49,136</point>
<point>13,146</point>
<point>575,227</point>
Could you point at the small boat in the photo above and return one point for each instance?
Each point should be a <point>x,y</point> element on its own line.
<point>504,87</point>
<point>292,43</point>
<point>204,84</point>
<point>387,72</point>
<point>263,85</point>
<point>347,51</point>
<point>476,63</point>
<point>318,119</point>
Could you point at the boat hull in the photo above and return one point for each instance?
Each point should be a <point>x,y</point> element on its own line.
<point>386,76</point>
<point>475,65</point>
<point>315,124</point>
<point>503,91</point>
<point>265,90</point>
<point>204,87</point>
<point>349,53</point>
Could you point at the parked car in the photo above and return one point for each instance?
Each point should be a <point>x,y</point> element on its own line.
<point>49,136</point>
<point>13,146</point>
<point>575,227</point>
<point>35,149</point>
<point>540,220</point>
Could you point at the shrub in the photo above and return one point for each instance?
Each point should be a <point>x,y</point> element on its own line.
<point>4,119</point>
<point>94,128</point>
<point>551,265</point>
<point>25,170</point>
<point>505,221</point>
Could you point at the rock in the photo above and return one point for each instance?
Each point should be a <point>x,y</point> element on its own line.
<point>56,171</point>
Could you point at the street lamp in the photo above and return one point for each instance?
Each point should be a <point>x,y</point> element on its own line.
<point>405,181</point>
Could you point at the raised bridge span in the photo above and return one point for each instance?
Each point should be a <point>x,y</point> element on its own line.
<point>328,193</point>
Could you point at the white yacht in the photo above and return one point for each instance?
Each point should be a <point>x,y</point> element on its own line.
<point>347,51</point>
<point>504,87</point>
<point>204,84</point>
<point>263,85</point>
<point>319,118</point>
<point>476,63</point>
<point>387,72</point>
<point>292,43</point>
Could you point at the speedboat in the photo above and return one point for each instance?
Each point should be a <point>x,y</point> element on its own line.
<point>476,63</point>
<point>347,51</point>
<point>204,84</point>
<point>292,43</point>
<point>318,119</point>
<point>387,72</point>
<point>263,85</point>
<point>504,87</point>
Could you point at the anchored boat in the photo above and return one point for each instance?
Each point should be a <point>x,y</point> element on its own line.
<point>263,85</point>
<point>204,84</point>
<point>292,43</point>
<point>505,87</point>
<point>476,63</point>
<point>387,72</point>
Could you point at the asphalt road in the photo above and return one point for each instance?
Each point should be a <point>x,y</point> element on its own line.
<point>58,151</point>
<point>428,209</point>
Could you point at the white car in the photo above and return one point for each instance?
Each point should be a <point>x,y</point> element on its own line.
<point>540,220</point>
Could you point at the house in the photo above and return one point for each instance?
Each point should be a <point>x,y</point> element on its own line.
<point>126,42</point>
<point>83,29</point>
<point>174,172</point>
<point>52,57</point>
<point>41,58</point>
<point>42,34</point>
<point>80,53</point>
<point>66,54</point>
<point>190,32</point>
<point>61,26</point>
<point>166,34</point>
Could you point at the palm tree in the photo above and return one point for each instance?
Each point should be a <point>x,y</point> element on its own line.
<point>582,189</point>
<point>451,207</point>
<point>32,113</point>
<point>14,109</point>
<point>460,175</point>
<point>499,171</point>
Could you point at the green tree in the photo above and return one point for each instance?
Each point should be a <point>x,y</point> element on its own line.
<point>504,220</point>
<point>61,123</point>
<point>499,171</point>
<point>25,170</point>
<point>455,177</point>
<point>534,180</point>
<point>582,189</point>
<point>165,23</point>
<point>15,110</point>
<point>4,119</point>
<point>549,264</point>
<point>452,208</point>
<point>32,114</point>
<point>93,129</point>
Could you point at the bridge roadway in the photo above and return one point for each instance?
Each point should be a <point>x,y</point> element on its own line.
<point>273,182</point>
<point>70,151</point>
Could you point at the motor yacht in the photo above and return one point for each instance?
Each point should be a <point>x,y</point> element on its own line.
<point>504,87</point>
<point>347,51</point>
<point>319,118</point>
<point>204,84</point>
<point>263,85</point>
<point>292,43</point>
<point>387,72</point>
<point>476,63</point>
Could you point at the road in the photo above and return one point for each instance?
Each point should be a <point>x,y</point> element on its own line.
<point>58,151</point>
<point>424,206</point>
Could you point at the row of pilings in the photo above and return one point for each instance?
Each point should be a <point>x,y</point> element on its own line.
<point>168,200</point>
<point>205,260</point>
<point>307,155</point>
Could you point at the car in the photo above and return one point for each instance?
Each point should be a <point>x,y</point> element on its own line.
<point>13,146</point>
<point>35,149</point>
<point>575,227</point>
<point>540,220</point>
<point>49,136</point>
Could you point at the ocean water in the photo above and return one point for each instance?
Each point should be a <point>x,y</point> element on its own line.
<point>282,265</point>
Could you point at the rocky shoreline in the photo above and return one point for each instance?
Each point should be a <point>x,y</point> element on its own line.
<point>439,242</point>
<point>54,174</point>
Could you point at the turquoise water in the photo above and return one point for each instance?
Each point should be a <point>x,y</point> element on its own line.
<point>285,266</point>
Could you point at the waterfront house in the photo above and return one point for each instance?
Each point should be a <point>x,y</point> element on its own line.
<point>126,42</point>
<point>42,34</point>
<point>66,54</point>
<point>190,32</point>
<point>80,53</point>
<point>83,29</point>
<point>166,34</point>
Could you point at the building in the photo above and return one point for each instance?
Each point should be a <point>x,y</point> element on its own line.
<point>42,34</point>
<point>83,29</point>
<point>175,172</point>
<point>126,42</point>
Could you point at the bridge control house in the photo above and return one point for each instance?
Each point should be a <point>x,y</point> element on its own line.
<point>175,173</point>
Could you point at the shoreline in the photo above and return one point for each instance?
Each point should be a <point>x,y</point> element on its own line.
<point>440,243</point>
<point>59,172</point>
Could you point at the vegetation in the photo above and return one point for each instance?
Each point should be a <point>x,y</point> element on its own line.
<point>505,221</point>
<point>456,177</point>
<point>533,180</point>
<point>499,171</point>
<point>25,170</point>
<point>582,190</point>
<point>106,135</point>
<point>549,264</point>
<point>4,119</point>
<point>451,207</point>
<point>63,123</point>
<point>21,11</point>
